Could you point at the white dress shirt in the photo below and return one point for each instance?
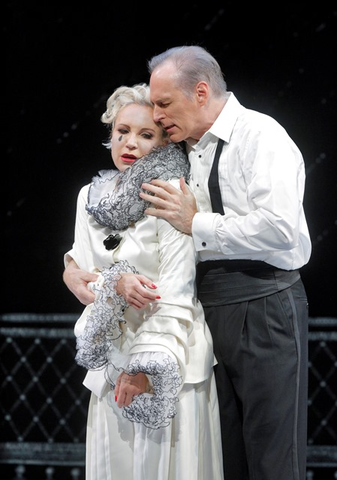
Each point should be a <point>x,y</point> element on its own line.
<point>262,179</point>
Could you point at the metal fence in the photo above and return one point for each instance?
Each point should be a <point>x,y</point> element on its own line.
<point>44,405</point>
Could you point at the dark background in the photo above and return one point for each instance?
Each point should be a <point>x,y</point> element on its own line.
<point>63,59</point>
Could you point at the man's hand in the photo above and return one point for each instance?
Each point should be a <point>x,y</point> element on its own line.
<point>127,386</point>
<point>176,206</point>
<point>77,281</point>
<point>137,290</point>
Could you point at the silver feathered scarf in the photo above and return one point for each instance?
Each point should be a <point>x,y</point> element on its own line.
<point>121,206</point>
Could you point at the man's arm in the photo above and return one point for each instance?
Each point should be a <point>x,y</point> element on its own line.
<point>77,281</point>
<point>137,290</point>
<point>178,207</point>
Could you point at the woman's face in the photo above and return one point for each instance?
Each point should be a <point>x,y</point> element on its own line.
<point>134,135</point>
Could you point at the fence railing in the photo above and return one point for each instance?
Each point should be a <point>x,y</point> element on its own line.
<point>44,404</point>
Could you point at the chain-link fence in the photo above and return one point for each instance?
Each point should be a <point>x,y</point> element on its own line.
<point>44,405</point>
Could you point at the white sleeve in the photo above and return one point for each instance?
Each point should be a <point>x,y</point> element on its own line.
<point>81,250</point>
<point>271,217</point>
<point>176,321</point>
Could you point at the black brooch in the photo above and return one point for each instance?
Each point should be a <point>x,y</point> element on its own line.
<point>112,241</point>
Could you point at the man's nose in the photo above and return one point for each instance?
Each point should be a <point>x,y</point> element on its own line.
<point>158,114</point>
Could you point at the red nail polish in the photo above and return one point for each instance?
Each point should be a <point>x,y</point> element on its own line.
<point>153,286</point>
<point>158,297</point>
<point>115,398</point>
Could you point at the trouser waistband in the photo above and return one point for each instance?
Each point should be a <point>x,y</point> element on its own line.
<point>222,282</point>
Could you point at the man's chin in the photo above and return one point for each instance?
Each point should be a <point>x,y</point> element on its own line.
<point>175,137</point>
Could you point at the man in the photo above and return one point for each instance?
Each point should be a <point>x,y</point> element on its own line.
<point>248,225</point>
<point>251,235</point>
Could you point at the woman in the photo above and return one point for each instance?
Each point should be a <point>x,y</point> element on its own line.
<point>153,412</point>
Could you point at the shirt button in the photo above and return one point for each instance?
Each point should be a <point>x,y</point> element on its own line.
<point>199,156</point>
<point>204,244</point>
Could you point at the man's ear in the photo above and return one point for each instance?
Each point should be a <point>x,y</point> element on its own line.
<point>202,92</point>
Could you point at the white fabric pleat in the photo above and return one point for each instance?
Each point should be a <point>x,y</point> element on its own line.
<point>188,449</point>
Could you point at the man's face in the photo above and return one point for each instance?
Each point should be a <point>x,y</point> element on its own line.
<point>177,113</point>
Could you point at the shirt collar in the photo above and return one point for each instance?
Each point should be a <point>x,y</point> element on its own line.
<point>224,124</point>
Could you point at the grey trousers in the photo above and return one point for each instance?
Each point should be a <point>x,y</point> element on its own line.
<point>261,345</point>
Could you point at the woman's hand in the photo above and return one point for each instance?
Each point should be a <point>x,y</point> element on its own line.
<point>137,290</point>
<point>127,386</point>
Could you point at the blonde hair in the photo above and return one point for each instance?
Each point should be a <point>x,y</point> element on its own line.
<point>122,96</point>
<point>139,94</point>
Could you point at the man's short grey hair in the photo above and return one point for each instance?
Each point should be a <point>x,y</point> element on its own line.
<point>193,64</point>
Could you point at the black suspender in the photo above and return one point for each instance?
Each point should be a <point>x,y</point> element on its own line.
<point>213,182</point>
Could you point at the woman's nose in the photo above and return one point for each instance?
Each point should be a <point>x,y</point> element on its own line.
<point>131,141</point>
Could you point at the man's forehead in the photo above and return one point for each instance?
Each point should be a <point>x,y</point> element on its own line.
<point>161,90</point>
<point>158,96</point>
<point>162,85</point>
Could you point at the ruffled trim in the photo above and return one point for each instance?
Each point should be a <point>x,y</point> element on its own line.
<point>153,410</point>
<point>96,350</point>
<point>103,322</point>
<point>113,198</point>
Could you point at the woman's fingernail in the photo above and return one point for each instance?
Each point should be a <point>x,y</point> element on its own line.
<point>115,398</point>
<point>153,286</point>
<point>158,297</point>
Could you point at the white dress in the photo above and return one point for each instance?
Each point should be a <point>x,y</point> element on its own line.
<point>183,442</point>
